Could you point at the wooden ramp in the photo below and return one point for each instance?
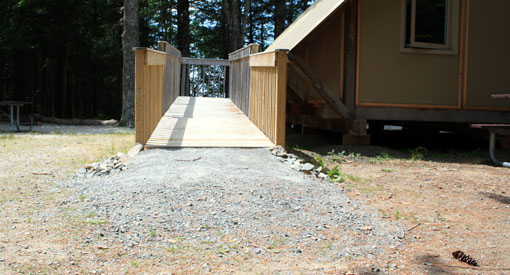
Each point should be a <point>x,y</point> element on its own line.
<point>206,122</point>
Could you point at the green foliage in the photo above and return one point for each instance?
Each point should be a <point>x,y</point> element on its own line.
<point>97,222</point>
<point>321,163</point>
<point>418,153</point>
<point>335,175</point>
<point>66,55</point>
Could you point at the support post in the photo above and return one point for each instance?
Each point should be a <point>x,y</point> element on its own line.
<point>281,96</point>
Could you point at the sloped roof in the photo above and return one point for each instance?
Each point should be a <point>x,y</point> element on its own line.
<point>305,24</point>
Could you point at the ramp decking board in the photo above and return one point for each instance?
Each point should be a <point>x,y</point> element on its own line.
<point>206,122</point>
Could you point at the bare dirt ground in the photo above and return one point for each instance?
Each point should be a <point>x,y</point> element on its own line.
<point>446,201</point>
<point>37,236</point>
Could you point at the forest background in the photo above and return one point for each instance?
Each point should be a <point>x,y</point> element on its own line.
<point>66,56</point>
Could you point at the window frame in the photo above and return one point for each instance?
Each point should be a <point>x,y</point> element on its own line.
<point>452,31</point>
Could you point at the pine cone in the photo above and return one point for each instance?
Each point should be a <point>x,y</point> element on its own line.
<point>461,256</point>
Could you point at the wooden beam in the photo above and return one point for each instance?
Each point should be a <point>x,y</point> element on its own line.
<point>281,96</point>
<point>263,60</point>
<point>351,41</point>
<point>435,115</point>
<point>166,47</point>
<point>244,52</point>
<point>154,58</point>
<point>205,61</point>
<point>336,125</point>
<point>308,75</point>
<point>501,96</point>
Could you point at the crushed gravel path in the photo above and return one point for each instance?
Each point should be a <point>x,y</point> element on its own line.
<point>200,196</point>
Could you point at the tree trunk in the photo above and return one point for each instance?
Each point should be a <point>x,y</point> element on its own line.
<point>247,7</point>
<point>235,28</point>
<point>280,14</point>
<point>183,36</point>
<point>129,40</point>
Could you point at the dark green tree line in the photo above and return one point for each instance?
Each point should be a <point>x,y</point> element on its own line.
<point>67,55</point>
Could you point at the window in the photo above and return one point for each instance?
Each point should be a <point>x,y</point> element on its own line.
<point>430,26</point>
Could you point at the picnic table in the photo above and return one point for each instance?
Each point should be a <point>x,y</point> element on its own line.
<point>12,115</point>
<point>494,130</point>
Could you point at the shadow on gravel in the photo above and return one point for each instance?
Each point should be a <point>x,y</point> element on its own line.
<point>432,264</point>
<point>499,198</point>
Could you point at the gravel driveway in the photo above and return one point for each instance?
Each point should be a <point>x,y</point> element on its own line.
<point>235,201</point>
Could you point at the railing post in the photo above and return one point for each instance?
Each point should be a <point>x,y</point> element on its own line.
<point>140,54</point>
<point>281,96</point>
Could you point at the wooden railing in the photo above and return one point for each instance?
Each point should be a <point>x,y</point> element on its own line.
<point>268,84</point>
<point>157,85</point>
<point>204,77</point>
<point>239,83</point>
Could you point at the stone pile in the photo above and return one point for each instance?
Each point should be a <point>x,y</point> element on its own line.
<point>297,163</point>
<point>111,165</point>
<point>105,167</point>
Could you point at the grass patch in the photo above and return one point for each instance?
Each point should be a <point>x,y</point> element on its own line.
<point>418,153</point>
<point>7,137</point>
<point>408,217</point>
<point>96,222</point>
<point>276,244</point>
<point>439,217</point>
<point>91,214</point>
<point>381,157</point>
<point>153,233</point>
<point>174,248</point>
<point>222,250</point>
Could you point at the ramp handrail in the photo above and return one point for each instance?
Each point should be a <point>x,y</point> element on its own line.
<point>157,85</point>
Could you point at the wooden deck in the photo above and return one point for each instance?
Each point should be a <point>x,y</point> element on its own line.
<point>206,122</point>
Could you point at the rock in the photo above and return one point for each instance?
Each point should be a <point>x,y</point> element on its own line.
<point>81,172</point>
<point>307,167</point>
<point>101,167</point>
<point>257,251</point>
<point>133,152</point>
<point>319,169</point>
<point>291,156</point>
<point>322,176</point>
<point>281,154</point>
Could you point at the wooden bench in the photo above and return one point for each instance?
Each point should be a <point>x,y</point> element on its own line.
<point>14,117</point>
<point>494,130</point>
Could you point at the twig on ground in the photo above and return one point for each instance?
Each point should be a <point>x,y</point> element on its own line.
<point>189,160</point>
<point>42,173</point>
<point>414,227</point>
